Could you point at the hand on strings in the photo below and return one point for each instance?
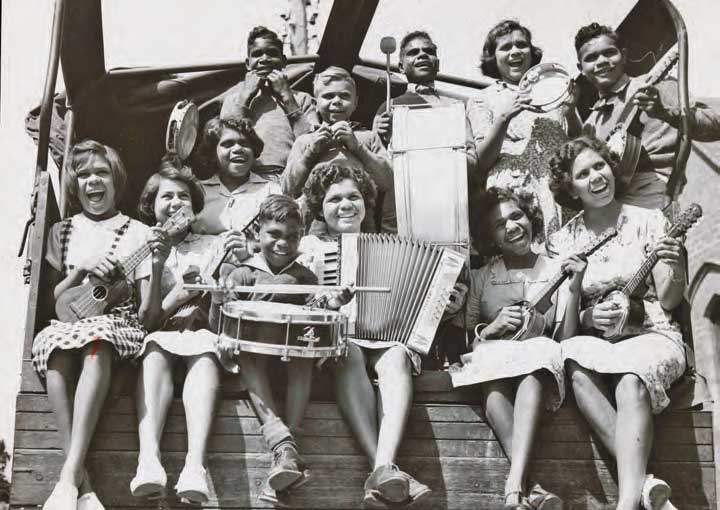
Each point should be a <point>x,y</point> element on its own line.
<point>102,266</point>
<point>508,320</point>
<point>605,315</point>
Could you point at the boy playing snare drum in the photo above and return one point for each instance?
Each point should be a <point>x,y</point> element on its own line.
<point>281,227</point>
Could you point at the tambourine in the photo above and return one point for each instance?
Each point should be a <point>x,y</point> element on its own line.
<point>548,86</point>
<point>182,129</point>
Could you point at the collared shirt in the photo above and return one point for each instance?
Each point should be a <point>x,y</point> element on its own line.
<point>658,138</point>
<point>277,128</point>
<point>225,209</point>
<point>256,271</point>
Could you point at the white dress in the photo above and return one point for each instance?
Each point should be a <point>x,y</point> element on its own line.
<point>492,288</point>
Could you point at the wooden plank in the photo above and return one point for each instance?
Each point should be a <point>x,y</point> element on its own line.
<point>550,432</point>
<point>337,480</point>
<point>449,413</point>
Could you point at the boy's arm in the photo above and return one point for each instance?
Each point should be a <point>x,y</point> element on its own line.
<point>303,116</point>
<point>375,158</point>
<point>299,164</point>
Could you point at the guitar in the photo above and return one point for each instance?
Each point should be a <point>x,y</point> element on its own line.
<point>624,140</point>
<point>94,297</point>
<point>534,310</point>
<point>633,310</point>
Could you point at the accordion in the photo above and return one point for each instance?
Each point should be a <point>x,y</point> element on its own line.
<point>419,274</point>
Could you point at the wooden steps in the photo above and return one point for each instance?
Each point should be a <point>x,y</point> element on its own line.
<point>448,446</point>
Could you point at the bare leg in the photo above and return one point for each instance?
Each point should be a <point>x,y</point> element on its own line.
<point>528,406</point>
<point>394,400</point>
<point>90,394</point>
<point>499,396</point>
<point>199,398</point>
<point>356,399</point>
<point>298,391</point>
<point>253,368</point>
<point>154,396</point>
<point>633,439</point>
<point>593,401</point>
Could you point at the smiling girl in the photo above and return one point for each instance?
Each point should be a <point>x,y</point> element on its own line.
<point>511,135</point>
<point>619,386</point>
<point>77,358</point>
<point>516,377</point>
<point>171,189</point>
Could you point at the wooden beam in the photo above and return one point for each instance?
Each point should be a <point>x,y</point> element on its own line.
<point>345,33</point>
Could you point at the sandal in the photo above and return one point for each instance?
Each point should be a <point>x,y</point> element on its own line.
<point>540,499</point>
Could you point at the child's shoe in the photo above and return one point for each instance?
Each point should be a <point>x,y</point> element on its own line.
<point>540,499</point>
<point>656,494</point>
<point>192,485</point>
<point>89,501</point>
<point>386,483</point>
<point>149,481</point>
<point>286,468</point>
<point>63,497</point>
<point>278,499</point>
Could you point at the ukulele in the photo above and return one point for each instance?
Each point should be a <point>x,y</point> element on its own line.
<point>94,297</point>
<point>624,139</point>
<point>534,310</point>
<point>633,309</point>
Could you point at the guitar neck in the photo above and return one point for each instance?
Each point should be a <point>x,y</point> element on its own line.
<point>133,260</point>
<point>642,273</point>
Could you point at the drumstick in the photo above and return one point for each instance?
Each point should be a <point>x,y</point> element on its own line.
<point>280,288</point>
<point>387,46</point>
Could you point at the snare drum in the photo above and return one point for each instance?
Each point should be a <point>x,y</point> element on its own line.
<point>281,329</point>
<point>548,86</point>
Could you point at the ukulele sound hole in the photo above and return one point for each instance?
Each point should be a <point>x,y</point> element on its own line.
<point>99,293</point>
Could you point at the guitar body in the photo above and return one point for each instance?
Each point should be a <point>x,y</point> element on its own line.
<point>533,324</point>
<point>628,148</point>
<point>90,299</point>
<point>633,313</point>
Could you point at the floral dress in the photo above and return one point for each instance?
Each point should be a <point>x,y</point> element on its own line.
<point>653,350</point>
<point>70,242</point>
<point>530,137</point>
<point>492,288</point>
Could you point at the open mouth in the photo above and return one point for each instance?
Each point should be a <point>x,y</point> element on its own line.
<point>603,73</point>
<point>238,160</point>
<point>598,188</point>
<point>514,238</point>
<point>95,196</point>
<point>423,65</point>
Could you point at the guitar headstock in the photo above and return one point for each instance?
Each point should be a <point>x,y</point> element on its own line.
<point>179,222</point>
<point>600,241</point>
<point>663,67</point>
<point>685,220</point>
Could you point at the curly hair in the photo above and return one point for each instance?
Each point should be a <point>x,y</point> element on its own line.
<point>488,62</point>
<point>561,164</point>
<point>325,175</point>
<point>280,208</point>
<point>171,168</point>
<point>416,34</point>
<point>81,155</point>
<point>492,197</point>
<point>593,30</point>
<point>261,32</point>
<point>207,152</point>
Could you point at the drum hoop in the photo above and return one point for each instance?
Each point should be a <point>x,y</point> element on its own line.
<point>320,317</point>
<point>183,124</point>
<point>546,68</point>
<point>291,351</point>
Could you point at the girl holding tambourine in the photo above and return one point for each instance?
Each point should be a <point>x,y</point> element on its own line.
<point>511,134</point>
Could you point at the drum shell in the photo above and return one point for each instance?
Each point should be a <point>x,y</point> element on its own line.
<point>302,333</point>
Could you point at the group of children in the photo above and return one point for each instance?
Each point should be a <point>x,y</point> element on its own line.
<point>268,153</point>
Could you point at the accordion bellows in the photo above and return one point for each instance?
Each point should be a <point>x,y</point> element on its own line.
<point>420,276</point>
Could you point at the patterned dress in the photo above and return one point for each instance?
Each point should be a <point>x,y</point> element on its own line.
<point>492,288</point>
<point>653,350</point>
<point>530,137</point>
<point>71,240</point>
